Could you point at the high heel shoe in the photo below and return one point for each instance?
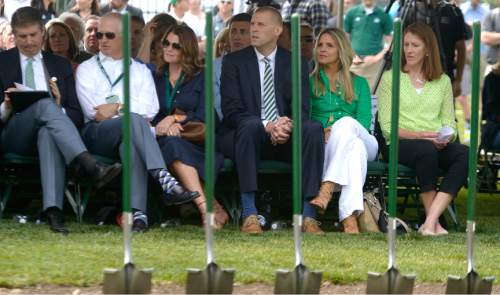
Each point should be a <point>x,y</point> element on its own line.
<point>320,202</point>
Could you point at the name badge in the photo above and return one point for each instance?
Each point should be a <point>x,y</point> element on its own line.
<point>112,98</point>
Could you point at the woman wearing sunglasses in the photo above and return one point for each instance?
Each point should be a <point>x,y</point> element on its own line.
<point>341,101</point>
<point>179,123</point>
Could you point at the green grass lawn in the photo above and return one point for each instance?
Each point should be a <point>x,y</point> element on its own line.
<point>30,254</point>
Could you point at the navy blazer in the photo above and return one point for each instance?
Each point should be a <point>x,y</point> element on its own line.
<point>59,67</point>
<point>190,98</point>
<point>240,86</point>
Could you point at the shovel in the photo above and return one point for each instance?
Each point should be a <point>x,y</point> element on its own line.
<point>128,280</point>
<point>392,282</point>
<point>300,280</point>
<point>472,282</point>
<point>212,279</point>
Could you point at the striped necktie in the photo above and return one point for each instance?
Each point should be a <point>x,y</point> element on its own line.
<point>29,74</point>
<point>269,101</point>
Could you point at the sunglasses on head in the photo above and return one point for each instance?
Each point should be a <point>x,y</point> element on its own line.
<point>109,35</point>
<point>165,43</point>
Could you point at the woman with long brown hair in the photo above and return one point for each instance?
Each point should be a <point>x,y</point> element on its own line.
<point>85,8</point>
<point>341,101</point>
<point>179,123</point>
<point>427,126</point>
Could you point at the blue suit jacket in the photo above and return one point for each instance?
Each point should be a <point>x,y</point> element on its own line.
<point>240,86</point>
<point>10,72</point>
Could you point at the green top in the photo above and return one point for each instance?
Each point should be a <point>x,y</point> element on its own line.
<point>367,31</point>
<point>428,111</point>
<point>330,107</point>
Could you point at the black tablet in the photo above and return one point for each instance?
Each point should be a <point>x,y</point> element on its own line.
<point>23,99</point>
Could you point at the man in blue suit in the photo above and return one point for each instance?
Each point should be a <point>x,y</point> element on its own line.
<point>46,127</point>
<point>256,102</point>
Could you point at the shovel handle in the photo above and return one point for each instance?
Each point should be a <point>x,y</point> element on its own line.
<point>474,122</point>
<point>126,113</point>
<point>296,116</point>
<point>209,113</point>
<point>393,147</point>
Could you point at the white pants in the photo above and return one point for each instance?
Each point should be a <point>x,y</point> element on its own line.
<point>347,151</point>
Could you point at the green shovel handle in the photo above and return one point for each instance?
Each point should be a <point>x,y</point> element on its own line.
<point>471,193</point>
<point>296,116</point>
<point>209,113</point>
<point>126,113</point>
<point>393,147</point>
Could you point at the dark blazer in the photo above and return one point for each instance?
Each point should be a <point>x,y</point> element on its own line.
<point>131,9</point>
<point>240,86</point>
<point>190,98</point>
<point>10,72</point>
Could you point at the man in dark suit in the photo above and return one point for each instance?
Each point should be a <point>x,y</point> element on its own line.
<point>256,102</point>
<point>46,127</point>
<point>119,6</point>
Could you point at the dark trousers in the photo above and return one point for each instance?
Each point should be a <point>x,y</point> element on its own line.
<point>254,144</point>
<point>423,156</point>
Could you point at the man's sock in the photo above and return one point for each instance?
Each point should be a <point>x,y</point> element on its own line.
<point>248,204</point>
<point>167,181</point>
<point>308,209</point>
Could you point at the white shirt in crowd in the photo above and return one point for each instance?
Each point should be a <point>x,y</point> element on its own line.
<point>195,23</point>
<point>12,5</point>
<point>92,86</point>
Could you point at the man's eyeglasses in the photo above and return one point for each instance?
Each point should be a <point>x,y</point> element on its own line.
<point>165,43</point>
<point>226,2</point>
<point>109,35</point>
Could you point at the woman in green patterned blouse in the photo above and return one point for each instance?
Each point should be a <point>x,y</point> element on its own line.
<point>341,101</point>
<point>427,125</point>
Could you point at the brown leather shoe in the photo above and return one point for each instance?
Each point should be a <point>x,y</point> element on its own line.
<point>320,202</point>
<point>351,225</point>
<point>311,226</point>
<point>251,225</point>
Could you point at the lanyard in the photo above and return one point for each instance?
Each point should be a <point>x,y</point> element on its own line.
<point>112,84</point>
<point>170,92</point>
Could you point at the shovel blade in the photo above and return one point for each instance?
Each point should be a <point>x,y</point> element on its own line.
<point>472,283</point>
<point>128,280</point>
<point>392,282</point>
<point>211,280</point>
<point>298,281</point>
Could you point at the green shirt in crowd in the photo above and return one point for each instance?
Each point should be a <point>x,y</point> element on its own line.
<point>429,110</point>
<point>367,30</point>
<point>330,107</point>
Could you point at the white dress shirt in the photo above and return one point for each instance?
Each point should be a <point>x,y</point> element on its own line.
<point>41,82</point>
<point>262,68</point>
<point>92,86</point>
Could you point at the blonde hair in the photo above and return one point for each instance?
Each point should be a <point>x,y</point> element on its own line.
<point>346,55</point>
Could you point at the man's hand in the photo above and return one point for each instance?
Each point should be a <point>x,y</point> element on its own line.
<point>106,111</point>
<point>280,130</point>
<point>6,98</point>
<point>55,91</point>
<point>427,135</point>
<point>457,87</point>
<point>439,144</point>
<point>357,60</point>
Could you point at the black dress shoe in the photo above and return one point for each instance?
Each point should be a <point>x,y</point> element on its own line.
<point>178,195</point>
<point>105,173</point>
<point>55,221</point>
<point>139,226</point>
